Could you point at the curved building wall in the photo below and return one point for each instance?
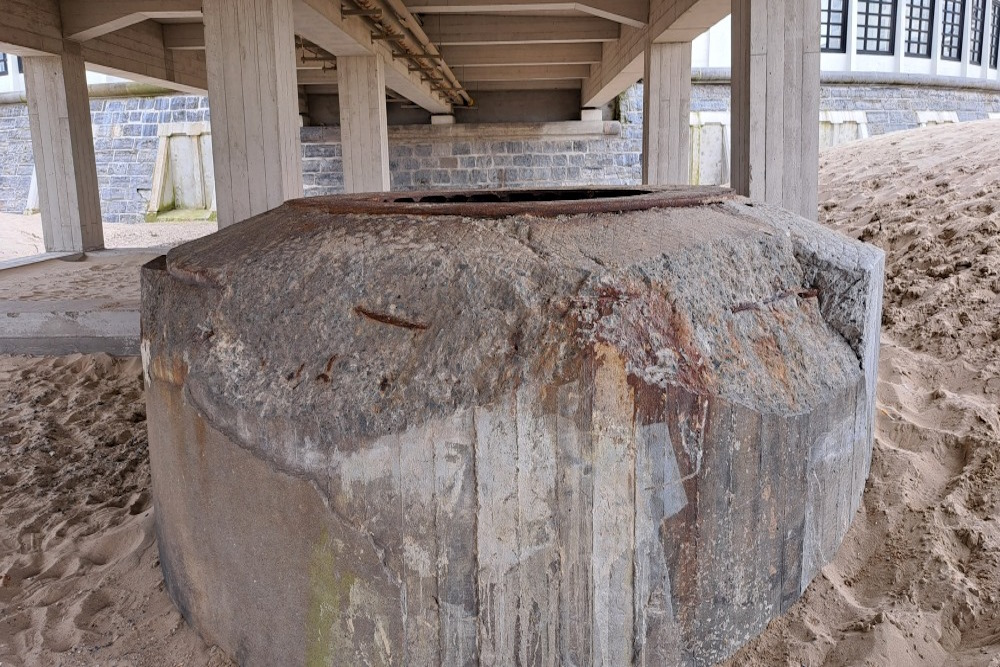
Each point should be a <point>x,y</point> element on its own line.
<point>937,38</point>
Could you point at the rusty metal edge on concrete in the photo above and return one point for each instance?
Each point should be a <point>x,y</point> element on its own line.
<point>538,202</point>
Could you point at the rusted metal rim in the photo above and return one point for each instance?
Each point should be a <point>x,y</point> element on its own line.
<point>548,202</point>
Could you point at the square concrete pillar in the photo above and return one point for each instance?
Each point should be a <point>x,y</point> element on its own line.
<point>364,131</point>
<point>253,95</point>
<point>775,103</point>
<point>666,131</point>
<point>63,143</point>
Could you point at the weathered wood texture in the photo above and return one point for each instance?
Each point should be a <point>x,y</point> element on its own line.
<point>775,103</point>
<point>594,440</point>
<point>666,130</point>
<point>63,143</point>
<point>250,49</point>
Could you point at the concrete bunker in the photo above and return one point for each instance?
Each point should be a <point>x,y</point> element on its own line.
<point>570,427</point>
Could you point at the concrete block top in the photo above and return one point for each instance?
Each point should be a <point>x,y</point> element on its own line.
<point>321,327</point>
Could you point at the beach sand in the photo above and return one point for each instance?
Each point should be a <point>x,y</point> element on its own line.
<point>21,235</point>
<point>916,582</point>
<point>80,582</point>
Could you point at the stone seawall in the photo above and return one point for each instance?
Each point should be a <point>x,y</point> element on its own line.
<point>125,141</point>
<point>16,159</point>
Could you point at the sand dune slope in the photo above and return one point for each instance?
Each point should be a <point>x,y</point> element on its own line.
<point>917,581</point>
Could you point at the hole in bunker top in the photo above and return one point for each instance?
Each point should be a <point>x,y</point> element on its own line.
<point>543,202</point>
<point>513,196</point>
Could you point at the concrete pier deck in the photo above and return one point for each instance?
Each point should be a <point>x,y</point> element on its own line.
<point>67,303</point>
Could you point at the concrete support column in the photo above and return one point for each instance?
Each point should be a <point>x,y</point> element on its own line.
<point>63,142</point>
<point>364,133</point>
<point>250,57</point>
<point>666,132</point>
<point>775,102</point>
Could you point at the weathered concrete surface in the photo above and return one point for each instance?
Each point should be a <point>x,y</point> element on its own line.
<point>596,439</point>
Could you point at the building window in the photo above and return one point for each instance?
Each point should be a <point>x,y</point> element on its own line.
<point>20,65</point>
<point>833,26</point>
<point>4,70</point>
<point>995,34</point>
<point>877,26</point>
<point>919,28</point>
<point>952,29</point>
<point>978,32</point>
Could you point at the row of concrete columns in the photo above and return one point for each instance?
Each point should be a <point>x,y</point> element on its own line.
<point>251,82</point>
<point>250,54</point>
<point>775,104</point>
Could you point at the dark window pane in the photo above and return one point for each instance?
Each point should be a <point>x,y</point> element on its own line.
<point>4,71</point>
<point>877,26</point>
<point>919,25</point>
<point>833,26</point>
<point>977,32</point>
<point>952,23</point>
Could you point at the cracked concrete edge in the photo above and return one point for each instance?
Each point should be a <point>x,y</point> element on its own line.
<point>818,247</point>
<point>857,313</point>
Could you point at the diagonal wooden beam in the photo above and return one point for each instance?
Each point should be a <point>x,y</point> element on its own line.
<point>669,21</point>
<point>466,29</point>
<point>33,27</point>
<point>322,23</point>
<point>82,21</point>
<point>628,12</point>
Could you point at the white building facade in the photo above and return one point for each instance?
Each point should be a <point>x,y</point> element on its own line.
<point>941,38</point>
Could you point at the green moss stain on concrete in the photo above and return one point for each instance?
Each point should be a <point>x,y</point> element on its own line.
<point>329,597</point>
<point>182,215</point>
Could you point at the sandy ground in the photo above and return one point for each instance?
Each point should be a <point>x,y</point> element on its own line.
<point>108,276</point>
<point>917,582</point>
<point>21,235</point>
<point>79,576</point>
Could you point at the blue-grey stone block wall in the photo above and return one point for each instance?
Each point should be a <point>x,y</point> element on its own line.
<point>425,162</point>
<point>125,142</point>
<point>888,108</point>
<point>894,108</point>
<point>16,160</point>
